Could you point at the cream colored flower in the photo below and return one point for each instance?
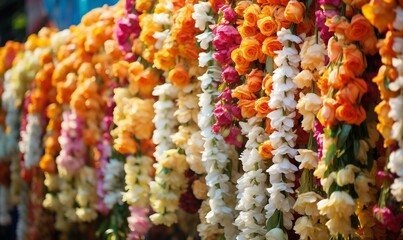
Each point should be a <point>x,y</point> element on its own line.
<point>172,159</point>
<point>308,122</point>
<point>328,181</point>
<point>309,103</point>
<point>340,226</point>
<point>304,79</point>
<point>276,234</point>
<point>307,158</point>
<point>340,205</point>
<point>306,204</point>
<point>304,228</point>
<point>167,219</point>
<point>346,175</point>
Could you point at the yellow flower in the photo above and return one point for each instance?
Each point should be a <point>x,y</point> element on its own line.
<point>306,204</point>
<point>340,205</point>
<point>340,226</point>
<point>304,227</point>
<point>346,175</point>
<point>307,158</point>
<point>172,159</point>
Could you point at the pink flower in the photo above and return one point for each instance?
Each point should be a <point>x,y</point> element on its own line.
<point>234,136</point>
<point>229,14</point>
<point>139,223</point>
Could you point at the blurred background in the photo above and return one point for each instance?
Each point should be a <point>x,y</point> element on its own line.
<point>19,18</point>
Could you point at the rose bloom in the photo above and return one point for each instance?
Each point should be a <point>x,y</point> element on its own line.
<point>267,84</point>
<point>250,48</point>
<point>349,114</point>
<point>251,15</point>
<point>254,80</point>
<point>327,114</point>
<point>265,150</point>
<point>337,24</point>
<point>380,13</point>
<point>335,49</point>
<point>248,31</point>
<point>270,45</point>
<point>247,108</point>
<point>179,76</point>
<point>267,26</point>
<point>241,7</point>
<point>242,92</point>
<point>354,60</point>
<point>241,64</point>
<point>262,107</point>
<point>294,11</point>
<point>359,29</point>
<point>353,92</point>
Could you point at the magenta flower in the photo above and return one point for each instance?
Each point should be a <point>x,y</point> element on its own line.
<point>229,14</point>
<point>230,75</point>
<point>234,136</point>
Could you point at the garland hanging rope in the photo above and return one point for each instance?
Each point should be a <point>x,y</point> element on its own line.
<point>186,119</point>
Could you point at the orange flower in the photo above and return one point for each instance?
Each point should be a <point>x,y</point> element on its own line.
<point>125,144</point>
<point>179,76</point>
<point>242,92</point>
<point>335,49</point>
<point>349,114</point>
<point>241,7</point>
<point>248,31</point>
<point>146,82</point>
<point>267,84</point>
<point>164,60</point>
<point>280,18</point>
<point>354,60</point>
<point>251,15</point>
<point>359,29</point>
<point>241,64</point>
<point>254,80</point>
<point>90,136</point>
<point>143,5</point>
<point>294,11</point>
<point>262,107</point>
<point>250,48</point>
<point>47,163</point>
<point>380,13</point>
<point>327,114</point>
<point>353,92</point>
<point>267,26</point>
<point>120,68</point>
<point>247,108</point>
<point>369,45</point>
<point>337,24</point>
<point>270,45</point>
<point>265,150</point>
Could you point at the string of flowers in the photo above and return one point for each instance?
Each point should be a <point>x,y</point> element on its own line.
<point>344,177</point>
<point>209,82</point>
<point>312,54</point>
<point>387,210</point>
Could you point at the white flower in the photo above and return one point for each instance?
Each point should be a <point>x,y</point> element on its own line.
<point>307,158</point>
<point>396,162</point>
<point>276,234</point>
<point>397,189</point>
<point>204,59</point>
<point>205,39</point>
<point>160,37</point>
<point>200,15</point>
<point>162,18</point>
<point>398,23</point>
<point>396,105</point>
<point>285,35</point>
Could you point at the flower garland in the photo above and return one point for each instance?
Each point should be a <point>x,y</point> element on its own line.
<point>216,201</point>
<point>344,177</point>
<point>312,54</point>
<point>388,110</point>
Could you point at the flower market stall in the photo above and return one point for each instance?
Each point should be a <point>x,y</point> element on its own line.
<point>186,119</point>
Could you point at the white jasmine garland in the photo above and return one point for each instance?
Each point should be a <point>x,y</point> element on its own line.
<point>396,113</point>
<point>217,213</point>
<point>251,186</point>
<point>114,170</point>
<point>283,103</point>
<point>31,140</point>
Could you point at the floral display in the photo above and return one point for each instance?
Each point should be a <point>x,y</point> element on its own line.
<point>207,120</point>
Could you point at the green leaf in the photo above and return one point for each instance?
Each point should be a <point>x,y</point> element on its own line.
<point>332,188</point>
<point>342,137</point>
<point>273,221</point>
<point>330,153</point>
<point>356,146</point>
<point>269,65</point>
